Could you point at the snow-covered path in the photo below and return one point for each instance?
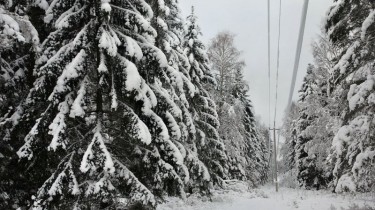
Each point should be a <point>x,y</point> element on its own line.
<point>265,198</point>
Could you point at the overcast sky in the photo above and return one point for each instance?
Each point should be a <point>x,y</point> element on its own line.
<point>248,20</point>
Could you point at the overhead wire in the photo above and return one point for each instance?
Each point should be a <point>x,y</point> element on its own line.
<point>269,74</point>
<point>298,51</point>
<point>298,54</point>
<point>277,66</point>
<point>269,63</point>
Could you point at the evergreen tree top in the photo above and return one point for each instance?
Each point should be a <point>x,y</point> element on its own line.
<point>193,29</point>
<point>308,84</point>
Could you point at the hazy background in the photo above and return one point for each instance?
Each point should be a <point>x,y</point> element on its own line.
<point>248,20</point>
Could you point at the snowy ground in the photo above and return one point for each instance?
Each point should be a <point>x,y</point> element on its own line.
<point>237,197</point>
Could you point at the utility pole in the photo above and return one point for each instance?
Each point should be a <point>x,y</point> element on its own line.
<point>274,129</point>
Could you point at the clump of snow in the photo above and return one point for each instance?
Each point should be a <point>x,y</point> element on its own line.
<point>344,61</point>
<point>57,127</point>
<point>343,135</point>
<point>102,68</point>
<point>371,99</point>
<point>132,47</point>
<point>105,6</point>
<point>16,116</point>
<point>345,183</point>
<point>367,155</point>
<point>143,132</point>
<point>10,27</point>
<point>358,93</point>
<point>109,41</point>
<point>77,109</point>
<point>134,82</point>
<point>114,103</point>
<point>231,111</point>
<point>162,24</point>
<point>367,23</point>
<point>49,11</point>
<point>336,6</point>
<point>42,4</point>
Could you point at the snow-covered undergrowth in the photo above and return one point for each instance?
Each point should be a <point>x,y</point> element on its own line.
<point>237,196</point>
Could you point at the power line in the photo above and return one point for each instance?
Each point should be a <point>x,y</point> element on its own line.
<point>269,64</point>
<point>269,76</point>
<point>278,65</point>
<point>298,51</point>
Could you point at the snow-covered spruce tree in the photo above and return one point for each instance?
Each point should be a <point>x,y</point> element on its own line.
<point>350,25</point>
<point>230,132</point>
<point>323,124</point>
<point>18,45</point>
<point>264,138</point>
<point>257,161</point>
<point>310,155</point>
<point>289,132</point>
<point>325,110</point>
<point>210,148</point>
<point>169,27</point>
<point>166,84</point>
<point>199,175</point>
<point>254,146</point>
<point>93,110</point>
<point>304,120</point>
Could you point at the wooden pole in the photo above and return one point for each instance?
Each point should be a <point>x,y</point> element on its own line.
<point>275,157</point>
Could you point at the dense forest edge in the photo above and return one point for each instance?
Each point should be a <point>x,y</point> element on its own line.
<point>114,105</point>
<point>329,131</point>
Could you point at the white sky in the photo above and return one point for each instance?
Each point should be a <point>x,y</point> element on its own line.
<point>248,20</point>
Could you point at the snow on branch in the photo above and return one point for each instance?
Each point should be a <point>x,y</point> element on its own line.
<point>97,155</point>
<point>367,23</point>
<point>58,126</point>
<point>63,179</point>
<point>138,192</point>
<point>76,109</point>
<point>72,71</point>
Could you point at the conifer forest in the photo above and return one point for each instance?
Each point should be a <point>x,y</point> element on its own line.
<point>124,104</point>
